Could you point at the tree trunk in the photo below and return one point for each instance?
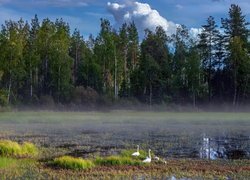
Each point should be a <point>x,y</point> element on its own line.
<point>75,66</point>
<point>59,84</point>
<point>37,81</point>
<point>115,88</point>
<point>150,92</point>
<point>235,88</point>
<point>209,76</point>
<point>9,89</point>
<point>245,87</point>
<point>194,98</point>
<point>10,80</point>
<point>126,74</point>
<point>31,82</point>
<point>46,76</point>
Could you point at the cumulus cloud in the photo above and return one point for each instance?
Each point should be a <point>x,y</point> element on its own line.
<point>142,14</point>
<point>144,17</point>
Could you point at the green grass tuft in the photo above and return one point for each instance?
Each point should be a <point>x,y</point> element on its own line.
<point>6,162</point>
<point>29,149</point>
<point>69,162</point>
<point>13,149</point>
<point>117,160</point>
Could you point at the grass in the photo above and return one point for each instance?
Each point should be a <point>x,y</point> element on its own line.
<point>179,127</point>
<point>13,149</point>
<point>6,162</point>
<point>117,161</point>
<point>180,168</point>
<point>68,162</point>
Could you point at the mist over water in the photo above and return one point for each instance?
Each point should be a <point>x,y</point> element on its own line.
<point>169,135</point>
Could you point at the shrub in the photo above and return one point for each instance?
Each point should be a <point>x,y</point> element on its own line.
<point>3,98</point>
<point>47,101</point>
<point>69,162</point>
<point>117,160</point>
<point>13,149</point>
<point>85,96</point>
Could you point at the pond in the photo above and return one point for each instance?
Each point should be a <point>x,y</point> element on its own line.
<point>169,135</point>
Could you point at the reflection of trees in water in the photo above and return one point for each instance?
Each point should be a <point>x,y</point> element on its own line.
<point>224,148</point>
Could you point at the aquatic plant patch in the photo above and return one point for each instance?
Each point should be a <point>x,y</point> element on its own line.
<point>6,162</point>
<point>69,162</point>
<point>13,149</point>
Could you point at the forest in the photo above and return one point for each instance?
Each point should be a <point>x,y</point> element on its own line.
<point>45,62</point>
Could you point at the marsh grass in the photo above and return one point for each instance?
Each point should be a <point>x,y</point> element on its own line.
<point>6,162</point>
<point>117,161</point>
<point>72,163</point>
<point>13,149</point>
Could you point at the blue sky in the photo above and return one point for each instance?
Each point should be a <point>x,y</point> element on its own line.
<point>85,14</point>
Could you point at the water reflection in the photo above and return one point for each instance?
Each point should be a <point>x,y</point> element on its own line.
<point>222,148</point>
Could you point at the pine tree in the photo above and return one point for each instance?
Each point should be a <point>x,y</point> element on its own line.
<point>236,34</point>
<point>208,41</point>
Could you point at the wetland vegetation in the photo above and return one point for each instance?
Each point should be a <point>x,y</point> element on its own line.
<point>103,141</point>
<point>45,65</point>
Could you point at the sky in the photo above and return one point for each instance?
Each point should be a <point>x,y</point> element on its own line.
<point>85,14</point>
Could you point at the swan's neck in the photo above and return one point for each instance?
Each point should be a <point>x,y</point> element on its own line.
<point>137,148</point>
<point>149,154</point>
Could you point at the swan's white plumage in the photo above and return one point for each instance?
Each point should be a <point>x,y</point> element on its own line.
<point>156,158</point>
<point>148,159</point>
<point>137,153</point>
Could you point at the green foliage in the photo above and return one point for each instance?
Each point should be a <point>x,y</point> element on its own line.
<point>117,161</point>
<point>29,149</point>
<point>3,98</point>
<point>13,149</point>
<point>68,162</point>
<point>44,60</point>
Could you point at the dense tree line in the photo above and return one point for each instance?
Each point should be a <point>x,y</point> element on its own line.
<point>43,61</point>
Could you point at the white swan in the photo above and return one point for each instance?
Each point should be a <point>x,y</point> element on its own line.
<point>157,158</point>
<point>148,159</point>
<point>137,153</point>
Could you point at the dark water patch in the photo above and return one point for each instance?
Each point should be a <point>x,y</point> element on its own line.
<point>236,154</point>
<point>67,146</point>
<point>83,152</point>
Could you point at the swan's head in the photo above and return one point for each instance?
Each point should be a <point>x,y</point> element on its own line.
<point>149,150</point>
<point>137,145</point>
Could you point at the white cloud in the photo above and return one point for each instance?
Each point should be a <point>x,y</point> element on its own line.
<point>178,6</point>
<point>144,17</point>
<point>195,31</point>
<point>142,14</point>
